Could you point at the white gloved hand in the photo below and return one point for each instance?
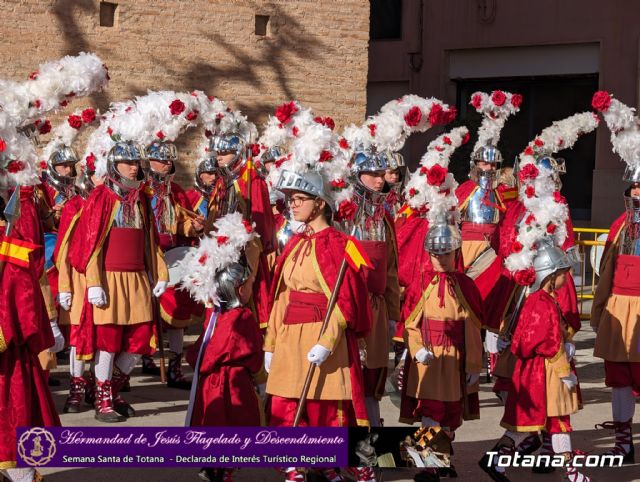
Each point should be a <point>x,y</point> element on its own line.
<point>491,342</point>
<point>363,355</point>
<point>161,287</point>
<point>267,360</point>
<point>97,296</point>
<point>570,381</point>
<point>424,356</point>
<point>58,344</point>
<point>503,344</point>
<point>472,378</point>
<point>318,354</point>
<point>570,348</point>
<point>64,299</point>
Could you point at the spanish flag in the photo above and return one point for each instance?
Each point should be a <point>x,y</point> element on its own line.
<point>355,255</point>
<point>16,251</point>
<point>405,211</point>
<point>246,171</point>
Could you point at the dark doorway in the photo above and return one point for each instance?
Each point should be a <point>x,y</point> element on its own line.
<point>545,99</point>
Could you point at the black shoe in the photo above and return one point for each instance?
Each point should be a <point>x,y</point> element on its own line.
<point>532,448</point>
<point>447,472</point>
<point>491,470</point>
<point>427,475</point>
<point>149,367</point>
<point>53,382</point>
<point>123,408</point>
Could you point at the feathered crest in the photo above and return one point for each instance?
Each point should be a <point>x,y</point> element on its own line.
<point>624,126</point>
<point>18,156</point>
<point>495,109</point>
<point>546,210</point>
<point>68,130</point>
<point>198,269</point>
<point>431,188</point>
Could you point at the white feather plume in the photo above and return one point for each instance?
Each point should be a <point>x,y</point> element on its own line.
<point>495,109</point>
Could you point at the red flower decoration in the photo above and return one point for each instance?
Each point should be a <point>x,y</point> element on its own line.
<point>557,197</point>
<point>372,130</point>
<point>530,191</point>
<point>193,115</point>
<point>346,210</point>
<point>109,131</point>
<point>203,259</point>
<point>75,121</point>
<point>88,116</point>
<point>45,127</point>
<point>436,175</point>
<point>286,111</point>
<point>498,97</point>
<point>91,162</point>
<point>530,218</point>
<point>343,143</point>
<point>439,148</point>
<point>33,75</point>
<point>295,132</point>
<point>525,277</point>
<point>326,121</point>
<point>476,101</point>
<point>516,247</point>
<point>247,226</point>
<point>446,140</point>
<point>64,103</point>
<point>42,164</point>
<point>255,150</point>
<point>528,151</point>
<point>551,228</point>
<point>413,117</point>
<point>325,156</point>
<point>3,144</point>
<point>516,100</point>
<point>530,171</point>
<point>424,171</point>
<point>412,192</point>
<point>538,142</point>
<point>466,138</point>
<point>37,103</point>
<point>15,166</point>
<point>177,107</point>
<point>450,115</point>
<point>160,135</point>
<point>222,240</point>
<point>338,184</point>
<point>601,100</point>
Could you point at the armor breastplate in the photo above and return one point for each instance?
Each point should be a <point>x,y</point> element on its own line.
<point>371,224</point>
<point>284,234</point>
<point>630,235</point>
<point>230,202</point>
<point>482,207</point>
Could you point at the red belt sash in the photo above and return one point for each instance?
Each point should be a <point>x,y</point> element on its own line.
<point>124,250</point>
<point>444,333</point>
<point>477,232</point>
<point>626,278</point>
<point>305,308</point>
<point>167,241</point>
<point>376,278</point>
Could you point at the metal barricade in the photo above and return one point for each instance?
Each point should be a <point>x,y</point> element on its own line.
<point>587,237</point>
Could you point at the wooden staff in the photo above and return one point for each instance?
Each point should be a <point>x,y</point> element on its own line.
<point>11,214</point>
<point>156,314</point>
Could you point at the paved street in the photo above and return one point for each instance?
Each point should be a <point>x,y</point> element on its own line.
<point>161,406</point>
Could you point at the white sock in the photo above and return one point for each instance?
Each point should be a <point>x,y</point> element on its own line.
<point>429,422</point>
<point>623,404</point>
<point>21,475</point>
<point>127,361</point>
<point>561,442</point>
<point>373,411</point>
<point>176,340</point>
<point>104,365</point>
<point>76,367</point>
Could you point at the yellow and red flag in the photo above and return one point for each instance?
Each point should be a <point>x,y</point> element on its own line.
<point>246,171</point>
<point>355,255</point>
<point>16,251</point>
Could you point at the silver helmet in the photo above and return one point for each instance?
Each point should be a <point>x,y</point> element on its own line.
<point>229,280</point>
<point>396,163</point>
<point>209,165</point>
<point>632,173</point>
<point>311,182</point>
<point>549,259</point>
<point>556,165</point>
<point>230,143</point>
<point>60,157</point>
<point>368,161</point>
<point>124,151</point>
<point>165,152</point>
<point>84,184</point>
<point>270,155</point>
<point>486,179</point>
<point>443,237</point>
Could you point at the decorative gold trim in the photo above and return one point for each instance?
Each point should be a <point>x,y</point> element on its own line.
<point>3,342</point>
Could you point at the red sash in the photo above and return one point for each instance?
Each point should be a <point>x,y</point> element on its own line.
<point>626,279</point>
<point>477,232</point>
<point>167,241</point>
<point>444,333</point>
<point>124,250</point>
<point>305,308</point>
<point>376,278</point>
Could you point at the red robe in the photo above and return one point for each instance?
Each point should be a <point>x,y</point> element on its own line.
<point>226,393</point>
<point>25,399</point>
<point>353,300</point>
<point>538,337</point>
<point>70,210</point>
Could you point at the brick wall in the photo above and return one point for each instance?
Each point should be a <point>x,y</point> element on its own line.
<point>314,51</point>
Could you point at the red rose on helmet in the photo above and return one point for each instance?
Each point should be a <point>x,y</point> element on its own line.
<point>326,121</point>
<point>160,135</point>
<point>91,162</point>
<point>530,191</point>
<point>343,143</point>
<point>528,151</point>
<point>247,226</point>
<point>222,240</point>
<point>498,97</point>
<point>446,140</point>
<point>15,166</point>
<point>551,228</point>
<point>372,130</point>
<point>109,131</point>
<point>529,171</point>
<point>346,210</point>
<point>601,101</point>
<point>193,115</point>
<point>413,117</point>
<point>286,111</point>
<point>88,116</point>
<point>3,144</point>
<point>325,156</point>
<point>37,103</point>
<point>435,114</point>
<point>436,175</point>
<point>530,218</point>
<point>538,142</point>
<point>42,164</point>
<point>557,197</point>
<point>424,171</point>
<point>525,277</point>
<point>466,138</point>
<point>516,100</point>
<point>45,127</point>
<point>412,192</point>
<point>476,101</point>
<point>75,121</point>
<point>64,103</point>
<point>177,107</point>
<point>516,247</point>
<point>338,184</point>
<point>449,115</point>
<point>203,259</point>
<point>33,75</point>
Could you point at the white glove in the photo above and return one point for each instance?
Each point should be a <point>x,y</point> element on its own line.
<point>503,344</point>
<point>58,344</point>
<point>404,355</point>
<point>161,287</point>
<point>65,300</point>
<point>571,381</point>
<point>570,348</point>
<point>363,355</point>
<point>424,356</point>
<point>97,296</point>
<point>491,342</point>
<point>267,361</point>
<point>318,354</point>
<point>472,378</point>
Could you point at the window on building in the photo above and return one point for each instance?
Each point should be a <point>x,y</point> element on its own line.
<point>262,25</point>
<point>385,19</point>
<point>108,14</point>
